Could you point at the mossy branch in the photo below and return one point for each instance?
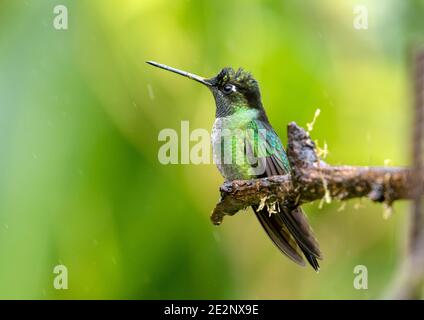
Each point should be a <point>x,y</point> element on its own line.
<point>312,179</point>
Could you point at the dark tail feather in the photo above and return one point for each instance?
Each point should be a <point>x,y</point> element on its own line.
<point>291,233</point>
<point>279,235</point>
<point>298,226</point>
<point>311,259</point>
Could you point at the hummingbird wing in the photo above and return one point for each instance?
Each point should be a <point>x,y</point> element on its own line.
<point>290,228</point>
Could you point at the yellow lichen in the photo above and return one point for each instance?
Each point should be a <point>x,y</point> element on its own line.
<point>387,211</point>
<point>262,203</point>
<point>342,206</point>
<point>310,125</point>
<point>321,152</point>
<point>273,208</point>
<point>387,162</point>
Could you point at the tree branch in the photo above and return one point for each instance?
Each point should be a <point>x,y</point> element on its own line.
<point>312,179</point>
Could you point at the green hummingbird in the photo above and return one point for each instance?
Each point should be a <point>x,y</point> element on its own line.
<point>245,146</point>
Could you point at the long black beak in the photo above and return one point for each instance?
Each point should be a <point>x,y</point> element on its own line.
<point>180,72</point>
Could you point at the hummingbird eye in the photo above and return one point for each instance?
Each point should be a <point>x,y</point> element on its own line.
<point>229,88</point>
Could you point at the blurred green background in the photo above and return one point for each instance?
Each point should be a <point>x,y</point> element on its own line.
<point>80,113</point>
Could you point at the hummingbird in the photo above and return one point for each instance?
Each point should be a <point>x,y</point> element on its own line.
<point>250,149</point>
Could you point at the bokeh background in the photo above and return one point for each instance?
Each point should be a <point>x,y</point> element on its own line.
<point>80,113</point>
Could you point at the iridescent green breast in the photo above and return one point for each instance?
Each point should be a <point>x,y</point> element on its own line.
<point>241,143</point>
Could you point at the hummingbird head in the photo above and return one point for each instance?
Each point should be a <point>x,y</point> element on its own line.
<point>233,90</point>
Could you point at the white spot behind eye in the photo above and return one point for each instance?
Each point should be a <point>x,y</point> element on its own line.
<point>228,88</point>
